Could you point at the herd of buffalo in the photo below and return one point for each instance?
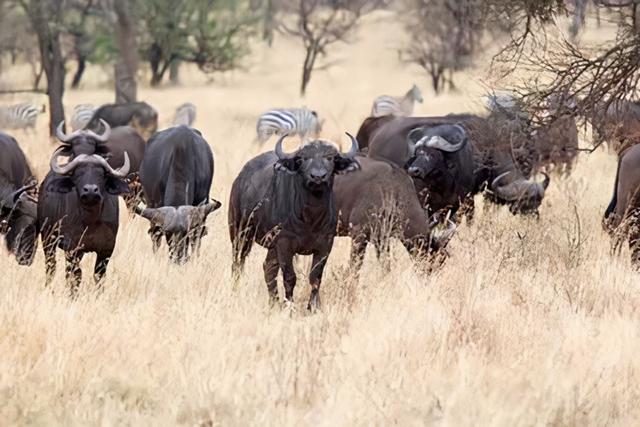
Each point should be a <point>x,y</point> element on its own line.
<point>410,178</point>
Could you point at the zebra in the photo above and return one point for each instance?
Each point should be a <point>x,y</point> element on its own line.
<point>185,114</point>
<point>82,114</point>
<point>386,105</point>
<point>292,121</point>
<point>20,116</point>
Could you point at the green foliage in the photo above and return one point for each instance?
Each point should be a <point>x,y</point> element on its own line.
<point>211,33</point>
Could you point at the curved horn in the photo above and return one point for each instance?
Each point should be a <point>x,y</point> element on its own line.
<point>104,137</point>
<point>121,172</point>
<point>63,170</point>
<point>413,138</point>
<point>64,137</point>
<point>281,155</point>
<point>354,147</point>
<point>494,183</point>
<point>442,144</point>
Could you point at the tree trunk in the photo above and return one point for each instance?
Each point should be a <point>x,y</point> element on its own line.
<point>269,23</point>
<point>45,18</point>
<point>307,67</point>
<point>578,18</point>
<point>174,72</point>
<point>82,64</point>
<point>126,67</point>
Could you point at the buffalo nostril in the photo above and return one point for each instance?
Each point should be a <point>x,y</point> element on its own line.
<point>413,171</point>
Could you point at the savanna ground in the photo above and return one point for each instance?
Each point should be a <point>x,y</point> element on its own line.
<point>528,323</point>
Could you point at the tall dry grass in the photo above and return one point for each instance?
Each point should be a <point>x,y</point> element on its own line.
<point>528,323</point>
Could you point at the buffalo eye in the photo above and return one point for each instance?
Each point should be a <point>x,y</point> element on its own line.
<point>116,186</point>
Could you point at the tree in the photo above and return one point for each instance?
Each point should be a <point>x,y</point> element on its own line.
<point>209,33</point>
<point>319,24</point>
<point>126,66</point>
<point>445,34</point>
<point>46,21</point>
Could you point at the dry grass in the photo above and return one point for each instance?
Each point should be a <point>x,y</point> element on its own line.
<point>529,323</point>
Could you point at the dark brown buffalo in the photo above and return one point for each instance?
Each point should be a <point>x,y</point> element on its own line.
<point>176,175</point>
<point>140,115</point>
<point>497,165</point>
<point>126,139</point>
<point>78,205</point>
<point>285,203</point>
<point>368,128</point>
<point>378,202</point>
<point>622,216</point>
<point>17,208</point>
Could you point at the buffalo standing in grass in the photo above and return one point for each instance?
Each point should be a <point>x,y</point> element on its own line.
<point>176,176</point>
<point>285,203</point>
<point>17,208</point>
<point>378,202</point>
<point>125,139</point>
<point>622,217</point>
<point>78,204</point>
<point>493,168</point>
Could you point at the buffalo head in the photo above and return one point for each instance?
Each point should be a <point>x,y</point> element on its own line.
<point>183,226</point>
<point>18,211</point>
<point>317,162</point>
<point>90,174</point>
<point>428,148</point>
<point>523,196</point>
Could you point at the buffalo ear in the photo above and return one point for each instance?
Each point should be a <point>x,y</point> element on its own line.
<point>60,184</point>
<point>116,186</point>
<point>210,207</point>
<point>346,164</point>
<point>287,165</point>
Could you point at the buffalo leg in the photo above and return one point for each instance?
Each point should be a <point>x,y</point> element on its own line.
<point>241,248</point>
<point>100,269</point>
<point>358,250</point>
<point>468,209</point>
<point>315,279</point>
<point>49,248</point>
<point>156,238</point>
<point>73,271</point>
<point>271,268</point>
<point>288,275</point>
<point>49,244</point>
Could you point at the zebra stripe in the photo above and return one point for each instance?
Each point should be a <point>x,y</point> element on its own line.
<point>386,105</point>
<point>185,115</point>
<point>294,121</point>
<point>81,116</point>
<point>19,116</point>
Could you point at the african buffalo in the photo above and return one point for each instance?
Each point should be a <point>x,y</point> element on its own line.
<point>125,139</point>
<point>557,142</point>
<point>622,216</point>
<point>285,203</point>
<point>17,208</point>
<point>78,204</point>
<point>378,202</point>
<point>176,176</point>
<point>492,144</point>
<point>140,115</point>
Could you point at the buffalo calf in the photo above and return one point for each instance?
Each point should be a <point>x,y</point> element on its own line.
<point>176,176</point>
